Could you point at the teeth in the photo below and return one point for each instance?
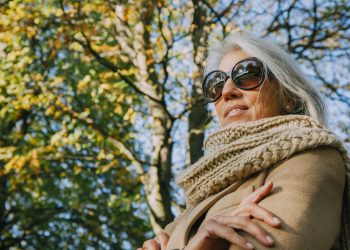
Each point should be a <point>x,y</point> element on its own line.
<point>235,112</point>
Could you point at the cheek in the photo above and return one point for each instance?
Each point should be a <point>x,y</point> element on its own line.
<point>219,112</point>
<point>218,109</point>
<point>266,102</point>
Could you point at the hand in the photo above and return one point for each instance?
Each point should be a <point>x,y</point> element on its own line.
<point>225,227</point>
<point>159,243</point>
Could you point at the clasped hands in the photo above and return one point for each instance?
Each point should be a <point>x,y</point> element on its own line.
<point>226,226</point>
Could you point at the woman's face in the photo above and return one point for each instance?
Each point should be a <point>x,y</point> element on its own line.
<point>237,105</point>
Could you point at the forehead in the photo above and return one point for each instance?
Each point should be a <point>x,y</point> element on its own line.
<point>231,58</point>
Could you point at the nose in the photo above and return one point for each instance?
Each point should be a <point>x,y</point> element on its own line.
<point>230,91</point>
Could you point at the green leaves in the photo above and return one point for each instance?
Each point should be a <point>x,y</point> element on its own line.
<point>65,186</point>
<point>86,88</point>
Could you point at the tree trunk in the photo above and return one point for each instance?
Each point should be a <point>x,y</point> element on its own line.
<point>3,197</point>
<point>198,115</point>
<point>158,179</point>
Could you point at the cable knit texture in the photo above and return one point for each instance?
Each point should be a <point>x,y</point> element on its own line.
<point>235,152</point>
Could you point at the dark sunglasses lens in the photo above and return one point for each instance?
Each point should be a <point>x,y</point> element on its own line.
<point>213,84</point>
<point>248,74</point>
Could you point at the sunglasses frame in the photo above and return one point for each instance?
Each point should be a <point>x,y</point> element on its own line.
<point>229,73</point>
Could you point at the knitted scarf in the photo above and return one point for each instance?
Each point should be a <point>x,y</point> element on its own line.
<point>235,152</point>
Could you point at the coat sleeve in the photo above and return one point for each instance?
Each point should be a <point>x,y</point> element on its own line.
<point>307,197</point>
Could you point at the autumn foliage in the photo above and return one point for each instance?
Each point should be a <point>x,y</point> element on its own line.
<point>100,106</point>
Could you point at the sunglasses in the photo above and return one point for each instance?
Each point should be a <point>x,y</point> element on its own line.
<point>247,74</point>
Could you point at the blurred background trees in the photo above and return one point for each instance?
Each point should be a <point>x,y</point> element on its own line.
<point>100,106</point>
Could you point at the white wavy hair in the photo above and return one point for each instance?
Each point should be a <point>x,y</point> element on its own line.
<point>294,84</point>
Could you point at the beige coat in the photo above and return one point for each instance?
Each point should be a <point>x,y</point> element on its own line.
<point>307,197</point>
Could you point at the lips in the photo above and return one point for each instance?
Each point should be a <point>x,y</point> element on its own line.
<point>235,109</point>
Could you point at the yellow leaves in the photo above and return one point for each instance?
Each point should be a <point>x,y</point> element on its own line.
<point>32,32</point>
<point>126,13</point>
<point>150,62</point>
<point>102,155</point>
<point>107,22</point>
<point>83,84</point>
<point>76,46</point>
<point>196,74</point>
<point>36,76</point>
<point>57,138</point>
<point>104,168</point>
<point>34,160</point>
<point>105,86</point>
<point>37,20</point>
<point>26,102</point>
<point>16,163</point>
<point>18,59</point>
<point>77,170</point>
<point>124,58</point>
<point>50,110</point>
<point>23,62</point>
<point>16,8</point>
<point>4,20</point>
<point>106,76</point>
<point>59,12</point>
<point>118,109</point>
<point>130,115</point>
<point>33,140</point>
<point>77,146</point>
<point>6,152</point>
<point>332,42</point>
<point>84,114</point>
<point>122,99</point>
<point>128,72</point>
<point>87,8</point>
<point>22,168</point>
<point>12,55</point>
<point>112,199</point>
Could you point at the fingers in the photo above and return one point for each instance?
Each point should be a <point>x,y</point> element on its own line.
<point>150,245</point>
<point>214,230</point>
<point>262,192</point>
<point>163,240</point>
<point>154,244</point>
<point>223,226</point>
<point>246,224</point>
<point>258,194</point>
<point>261,213</point>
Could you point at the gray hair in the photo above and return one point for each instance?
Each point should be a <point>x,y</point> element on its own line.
<point>294,84</point>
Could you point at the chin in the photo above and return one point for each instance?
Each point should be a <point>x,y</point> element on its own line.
<point>234,122</point>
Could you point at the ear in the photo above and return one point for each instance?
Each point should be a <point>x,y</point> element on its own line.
<point>288,105</point>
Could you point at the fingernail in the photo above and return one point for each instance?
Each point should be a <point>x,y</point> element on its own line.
<point>276,220</point>
<point>269,239</point>
<point>250,245</point>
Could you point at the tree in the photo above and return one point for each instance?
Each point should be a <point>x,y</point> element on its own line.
<point>97,98</point>
<point>67,176</point>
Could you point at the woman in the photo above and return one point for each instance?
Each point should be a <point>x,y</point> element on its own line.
<point>272,132</point>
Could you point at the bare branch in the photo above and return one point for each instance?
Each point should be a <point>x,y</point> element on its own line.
<point>329,86</point>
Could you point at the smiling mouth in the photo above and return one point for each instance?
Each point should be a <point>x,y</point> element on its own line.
<point>235,112</point>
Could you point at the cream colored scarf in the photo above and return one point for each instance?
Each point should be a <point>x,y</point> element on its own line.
<point>233,153</point>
